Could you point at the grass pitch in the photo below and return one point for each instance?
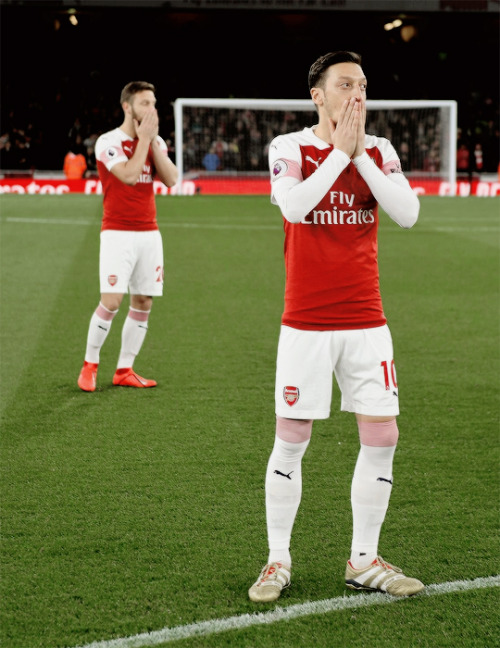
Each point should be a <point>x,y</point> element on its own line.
<point>128,511</point>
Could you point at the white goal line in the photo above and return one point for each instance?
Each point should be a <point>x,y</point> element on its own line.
<point>214,626</point>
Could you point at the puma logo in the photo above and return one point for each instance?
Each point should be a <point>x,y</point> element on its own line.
<point>389,481</point>
<point>316,162</point>
<point>277,472</point>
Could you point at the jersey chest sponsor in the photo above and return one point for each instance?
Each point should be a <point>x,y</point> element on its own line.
<point>339,208</point>
<point>337,216</point>
<point>145,178</point>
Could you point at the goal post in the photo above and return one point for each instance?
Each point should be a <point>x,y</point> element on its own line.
<point>221,144</point>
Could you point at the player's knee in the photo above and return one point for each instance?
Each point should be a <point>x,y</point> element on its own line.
<point>293,430</point>
<point>378,433</point>
<point>111,301</point>
<point>141,302</point>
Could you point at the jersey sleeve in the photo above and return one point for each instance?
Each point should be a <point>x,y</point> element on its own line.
<point>109,151</point>
<point>390,188</point>
<point>163,145</point>
<point>390,159</point>
<point>284,163</point>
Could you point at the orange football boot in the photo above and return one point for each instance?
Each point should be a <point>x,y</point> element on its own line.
<point>128,378</point>
<point>88,376</point>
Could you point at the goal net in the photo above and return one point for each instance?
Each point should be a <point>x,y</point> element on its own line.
<point>221,145</point>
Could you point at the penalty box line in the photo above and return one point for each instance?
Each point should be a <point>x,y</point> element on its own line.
<point>205,628</point>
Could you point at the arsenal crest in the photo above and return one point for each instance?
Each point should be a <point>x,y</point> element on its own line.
<point>291,395</point>
<point>112,280</point>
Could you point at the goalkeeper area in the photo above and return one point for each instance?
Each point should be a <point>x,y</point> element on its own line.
<point>222,144</point>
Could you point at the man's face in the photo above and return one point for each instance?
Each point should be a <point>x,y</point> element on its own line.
<point>343,81</point>
<point>141,103</point>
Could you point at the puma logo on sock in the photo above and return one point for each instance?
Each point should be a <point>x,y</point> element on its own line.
<point>277,472</point>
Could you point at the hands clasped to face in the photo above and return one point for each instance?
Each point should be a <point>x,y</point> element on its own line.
<point>348,134</point>
<point>147,128</point>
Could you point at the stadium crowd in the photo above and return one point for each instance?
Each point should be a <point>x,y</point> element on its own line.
<point>236,140</point>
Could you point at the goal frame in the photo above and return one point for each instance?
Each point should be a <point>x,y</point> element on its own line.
<point>307,105</point>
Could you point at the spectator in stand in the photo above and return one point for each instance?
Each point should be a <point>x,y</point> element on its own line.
<point>256,149</point>
<point>233,154</point>
<point>478,158</point>
<point>90,161</point>
<point>21,153</point>
<point>89,152</point>
<point>211,161</point>
<point>464,161</point>
<point>76,130</point>
<point>75,165</point>
<point>5,152</point>
<point>404,154</point>
<point>170,141</point>
<point>190,151</point>
<point>220,146</point>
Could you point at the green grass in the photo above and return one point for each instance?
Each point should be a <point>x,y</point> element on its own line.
<point>127,511</point>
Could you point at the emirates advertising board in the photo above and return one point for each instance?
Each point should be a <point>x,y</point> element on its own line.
<point>220,185</point>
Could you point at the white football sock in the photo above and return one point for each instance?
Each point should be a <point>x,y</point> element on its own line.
<point>370,494</point>
<point>283,494</point>
<point>100,324</point>
<point>134,331</point>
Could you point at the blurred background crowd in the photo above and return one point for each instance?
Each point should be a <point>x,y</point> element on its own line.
<point>63,68</point>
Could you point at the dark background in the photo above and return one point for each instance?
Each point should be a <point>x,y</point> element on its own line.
<point>53,72</point>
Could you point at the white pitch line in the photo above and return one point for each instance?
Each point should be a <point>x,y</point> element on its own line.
<point>214,626</point>
<point>48,221</point>
<point>61,221</point>
<point>218,226</point>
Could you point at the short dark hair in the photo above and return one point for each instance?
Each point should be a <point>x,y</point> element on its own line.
<point>319,67</point>
<point>133,88</point>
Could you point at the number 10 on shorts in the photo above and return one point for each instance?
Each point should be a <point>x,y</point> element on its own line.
<point>389,374</point>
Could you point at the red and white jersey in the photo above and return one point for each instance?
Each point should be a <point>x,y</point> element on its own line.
<point>332,276</point>
<point>126,207</point>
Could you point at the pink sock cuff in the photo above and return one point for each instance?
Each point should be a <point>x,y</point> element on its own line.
<point>380,434</point>
<point>104,313</point>
<point>293,430</point>
<point>138,315</point>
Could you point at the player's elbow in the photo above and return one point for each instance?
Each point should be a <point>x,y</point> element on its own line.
<point>172,179</point>
<point>408,224</point>
<point>129,179</point>
<point>293,217</point>
<point>405,212</point>
<point>407,221</point>
<point>411,214</point>
<point>291,213</point>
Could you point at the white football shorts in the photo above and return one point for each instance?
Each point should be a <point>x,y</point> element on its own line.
<point>131,262</point>
<point>361,360</point>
